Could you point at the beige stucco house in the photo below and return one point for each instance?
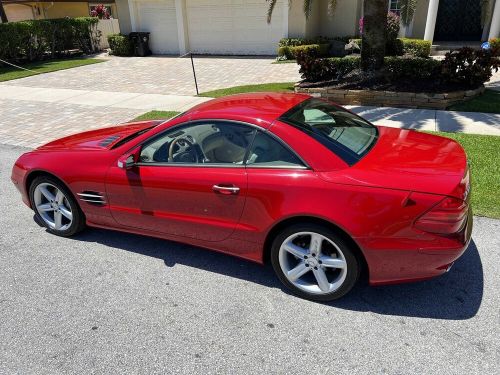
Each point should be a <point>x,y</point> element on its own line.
<point>240,27</point>
<point>20,10</point>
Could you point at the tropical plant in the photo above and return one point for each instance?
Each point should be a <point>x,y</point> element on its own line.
<point>307,7</point>
<point>407,10</point>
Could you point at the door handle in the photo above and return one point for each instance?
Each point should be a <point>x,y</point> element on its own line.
<point>226,190</point>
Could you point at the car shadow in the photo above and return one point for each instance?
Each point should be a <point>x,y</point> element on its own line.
<point>456,295</point>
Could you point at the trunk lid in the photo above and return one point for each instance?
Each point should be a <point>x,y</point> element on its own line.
<point>409,160</point>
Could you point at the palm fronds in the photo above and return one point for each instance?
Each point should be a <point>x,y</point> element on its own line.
<point>407,10</point>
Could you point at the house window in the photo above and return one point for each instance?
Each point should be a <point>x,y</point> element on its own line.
<point>394,6</point>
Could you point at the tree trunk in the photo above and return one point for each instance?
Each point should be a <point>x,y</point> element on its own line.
<point>3,15</point>
<point>374,34</point>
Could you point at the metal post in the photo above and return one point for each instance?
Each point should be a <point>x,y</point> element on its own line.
<point>194,74</point>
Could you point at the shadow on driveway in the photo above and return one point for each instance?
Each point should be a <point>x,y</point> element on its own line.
<point>456,295</point>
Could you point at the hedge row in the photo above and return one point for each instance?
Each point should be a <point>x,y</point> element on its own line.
<point>465,66</point>
<point>406,46</point>
<point>120,45</point>
<point>290,52</point>
<point>39,39</point>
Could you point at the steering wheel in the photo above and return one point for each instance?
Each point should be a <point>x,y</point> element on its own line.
<point>185,151</point>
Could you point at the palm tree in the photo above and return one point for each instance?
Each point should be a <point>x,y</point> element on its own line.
<point>3,15</point>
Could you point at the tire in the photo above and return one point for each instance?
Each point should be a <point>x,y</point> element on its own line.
<point>51,199</point>
<point>292,250</point>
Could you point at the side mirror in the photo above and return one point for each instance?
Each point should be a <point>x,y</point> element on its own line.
<point>128,160</point>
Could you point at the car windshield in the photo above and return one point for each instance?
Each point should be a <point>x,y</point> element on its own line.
<point>343,132</point>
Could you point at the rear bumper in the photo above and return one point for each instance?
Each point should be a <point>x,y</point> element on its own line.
<point>404,260</point>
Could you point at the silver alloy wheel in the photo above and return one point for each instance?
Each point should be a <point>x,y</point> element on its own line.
<point>312,263</point>
<point>53,207</point>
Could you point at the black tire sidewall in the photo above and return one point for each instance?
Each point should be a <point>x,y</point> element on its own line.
<point>353,265</point>
<point>78,223</point>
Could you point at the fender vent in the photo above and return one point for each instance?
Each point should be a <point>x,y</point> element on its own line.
<point>106,142</point>
<point>92,197</point>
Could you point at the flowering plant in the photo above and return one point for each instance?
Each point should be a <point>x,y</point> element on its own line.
<point>100,11</point>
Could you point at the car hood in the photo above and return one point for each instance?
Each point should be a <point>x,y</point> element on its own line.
<point>408,160</point>
<point>97,139</point>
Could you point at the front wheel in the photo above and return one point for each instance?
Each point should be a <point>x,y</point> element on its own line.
<point>314,262</point>
<point>55,207</point>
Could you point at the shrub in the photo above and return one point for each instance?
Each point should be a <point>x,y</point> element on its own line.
<point>293,42</point>
<point>120,45</point>
<point>291,52</point>
<point>393,25</point>
<point>468,66</point>
<point>416,47</point>
<point>406,46</point>
<point>313,68</point>
<point>38,39</point>
<point>495,46</point>
<point>415,68</point>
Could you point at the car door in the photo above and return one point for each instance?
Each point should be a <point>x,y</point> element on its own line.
<point>189,181</point>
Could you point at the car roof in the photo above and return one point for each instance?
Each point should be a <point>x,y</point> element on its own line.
<point>258,108</point>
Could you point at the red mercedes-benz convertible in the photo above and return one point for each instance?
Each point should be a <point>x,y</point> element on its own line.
<point>316,190</point>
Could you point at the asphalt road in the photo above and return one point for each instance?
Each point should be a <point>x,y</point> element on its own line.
<point>106,302</point>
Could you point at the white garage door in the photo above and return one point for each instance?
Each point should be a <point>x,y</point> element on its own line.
<point>233,27</point>
<point>159,18</point>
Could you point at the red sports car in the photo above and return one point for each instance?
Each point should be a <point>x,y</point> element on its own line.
<point>316,190</point>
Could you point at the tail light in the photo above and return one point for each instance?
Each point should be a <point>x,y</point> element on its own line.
<point>447,217</point>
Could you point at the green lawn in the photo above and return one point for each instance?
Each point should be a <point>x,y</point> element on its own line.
<point>275,87</point>
<point>285,61</point>
<point>488,102</point>
<point>8,73</point>
<point>483,152</point>
<point>156,115</point>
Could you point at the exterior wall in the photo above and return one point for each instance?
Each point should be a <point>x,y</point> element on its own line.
<point>419,19</point>
<point>123,14</point>
<point>18,12</point>
<point>61,10</point>
<point>344,21</point>
<point>296,20</point>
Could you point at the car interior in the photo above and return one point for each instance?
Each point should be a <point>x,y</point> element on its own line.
<point>215,143</point>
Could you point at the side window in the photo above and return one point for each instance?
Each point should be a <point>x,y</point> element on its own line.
<point>268,152</point>
<point>201,143</point>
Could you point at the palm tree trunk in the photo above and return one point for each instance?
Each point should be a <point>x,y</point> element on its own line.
<point>374,34</point>
<point>3,15</point>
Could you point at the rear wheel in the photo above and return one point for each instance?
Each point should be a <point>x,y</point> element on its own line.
<point>55,207</point>
<point>314,262</point>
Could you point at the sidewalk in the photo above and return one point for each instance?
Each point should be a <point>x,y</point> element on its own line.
<point>432,120</point>
<point>96,98</point>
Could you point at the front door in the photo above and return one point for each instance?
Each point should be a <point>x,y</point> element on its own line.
<point>190,181</point>
<point>458,20</point>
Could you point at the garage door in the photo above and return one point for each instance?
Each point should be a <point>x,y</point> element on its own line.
<point>233,27</point>
<point>158,17</point>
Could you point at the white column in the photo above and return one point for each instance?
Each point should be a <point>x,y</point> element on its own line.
<point>182,35</point>
<point>131,9</point>
<point>495,21</point>
<point>430,24</point>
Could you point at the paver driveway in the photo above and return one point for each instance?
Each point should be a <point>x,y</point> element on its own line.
<point>166,75</point>
<point>37,109</point>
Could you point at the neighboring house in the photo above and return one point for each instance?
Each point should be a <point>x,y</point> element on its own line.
<point>239,27</point>
<point>20,10</point>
